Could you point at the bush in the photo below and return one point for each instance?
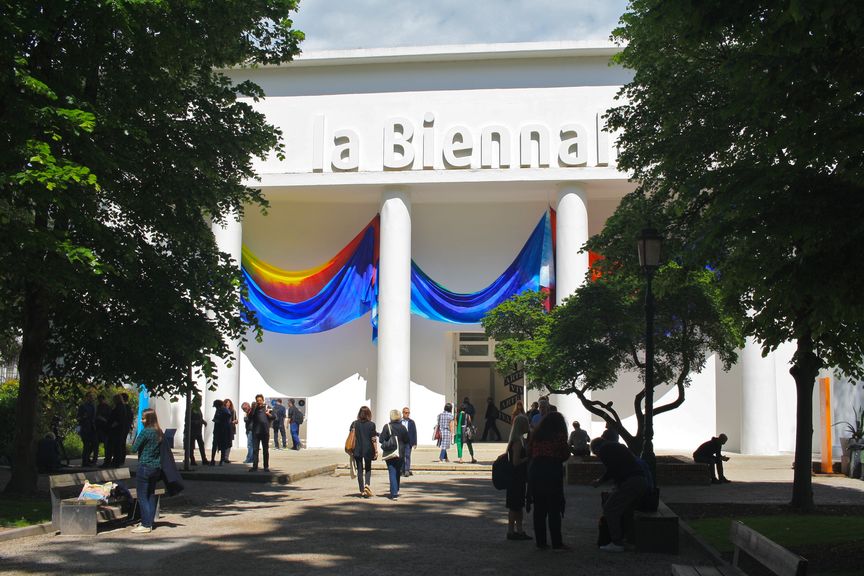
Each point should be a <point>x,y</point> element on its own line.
<point>8,398</point>
<point>73,445</point>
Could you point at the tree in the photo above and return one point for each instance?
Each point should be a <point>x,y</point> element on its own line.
<point>599,332</point>
<point>122,141</point>
<point>742,124</point>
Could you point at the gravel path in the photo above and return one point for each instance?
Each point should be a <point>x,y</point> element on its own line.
<point>451,524</point>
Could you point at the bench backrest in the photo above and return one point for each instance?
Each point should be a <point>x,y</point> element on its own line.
<point>765,551</point>
<point>94,476</point>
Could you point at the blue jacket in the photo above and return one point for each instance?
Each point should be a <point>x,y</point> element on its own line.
<point>412,431</point>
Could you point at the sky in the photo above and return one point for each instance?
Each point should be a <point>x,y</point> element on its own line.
<point>346,24</point>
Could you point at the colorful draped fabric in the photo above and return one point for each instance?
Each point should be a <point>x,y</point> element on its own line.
<point>533,269</point>
<point>319,299</point>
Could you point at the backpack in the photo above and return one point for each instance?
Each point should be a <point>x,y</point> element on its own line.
<point>502,471</point>
<point>297,418</point>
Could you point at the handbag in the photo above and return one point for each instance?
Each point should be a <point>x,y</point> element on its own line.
<point>390,447</point>
<point>437,435</point>
<point>350,441</point>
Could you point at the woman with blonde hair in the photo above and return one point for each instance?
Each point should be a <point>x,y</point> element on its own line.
<point>148,446</point>
<point>518,454</point>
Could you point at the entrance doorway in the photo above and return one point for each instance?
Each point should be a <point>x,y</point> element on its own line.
<point>477,379</point>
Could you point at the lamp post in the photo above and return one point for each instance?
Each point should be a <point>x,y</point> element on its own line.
<point>648,247</point>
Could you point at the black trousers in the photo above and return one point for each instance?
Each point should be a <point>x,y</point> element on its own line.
<point>490,425</point>
<point>546,486</point>
<point>262,442</point>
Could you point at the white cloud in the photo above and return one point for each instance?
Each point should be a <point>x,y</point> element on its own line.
<point>341,24</point>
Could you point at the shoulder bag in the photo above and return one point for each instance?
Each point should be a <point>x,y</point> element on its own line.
<point>390,447</point>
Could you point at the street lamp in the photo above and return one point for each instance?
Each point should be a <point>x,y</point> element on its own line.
<point>648,247</point>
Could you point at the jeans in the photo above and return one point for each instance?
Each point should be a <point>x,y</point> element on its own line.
<point>394,471</point>
<point>364,472</point>
<point>279,426</point>
<point>145,482</point>
<point>295,435</point>
<point>249,447</point>
<point>622,502</point>
<point>264,441</point>
<point>406,461</point>
<point>443,455</point>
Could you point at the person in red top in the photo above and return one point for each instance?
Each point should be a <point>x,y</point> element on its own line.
<point>549,450</point>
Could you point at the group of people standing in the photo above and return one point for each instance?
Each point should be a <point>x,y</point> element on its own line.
<point>258,419</point>
<point>108,425</point>
<point>365,448</point>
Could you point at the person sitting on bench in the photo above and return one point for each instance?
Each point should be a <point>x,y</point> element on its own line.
<point>709,453</point>
<point>631,486</point>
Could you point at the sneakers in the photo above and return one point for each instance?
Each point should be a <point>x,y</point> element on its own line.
<point>142,530</point>
<point>368,491</point>
<point>612,547</point>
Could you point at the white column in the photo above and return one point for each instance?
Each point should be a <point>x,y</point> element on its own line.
<point>758,401</point>
<point>394,305</point>
<point>229,239</point>
<point>571,267</point>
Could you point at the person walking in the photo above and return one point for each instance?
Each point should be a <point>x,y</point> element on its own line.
<point>517,451</point>
<point>394,464</point>
<point>295,419</point>
<point>279,423</point>
<point>548,450</point>
<point>261,417</point>
<point>221,432</point>
<point>491,418</point>
<point>103,419</point>
<point>365,450</point>
<point>444,431</point>
<point>464,434</point>
<point>411,427</point>
<point>148,446</point>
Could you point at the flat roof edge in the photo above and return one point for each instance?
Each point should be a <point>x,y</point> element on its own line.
<point>453,52</point>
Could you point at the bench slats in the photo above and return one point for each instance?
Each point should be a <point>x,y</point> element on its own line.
<point>765,551</point>
<point>94,477</point>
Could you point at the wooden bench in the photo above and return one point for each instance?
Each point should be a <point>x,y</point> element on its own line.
<point>656,531</point>
<point>774,557</point>
<point>72,516</point>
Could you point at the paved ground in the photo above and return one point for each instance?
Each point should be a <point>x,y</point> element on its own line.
<point>448,520</point>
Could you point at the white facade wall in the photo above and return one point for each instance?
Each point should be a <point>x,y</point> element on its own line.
<point>467,216</point>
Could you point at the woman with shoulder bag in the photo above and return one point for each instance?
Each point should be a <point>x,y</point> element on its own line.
<point>148,446</point>
<point>365,436</point>
<point>394,459</point>
<point>464,434</point>
<point>518,454</point>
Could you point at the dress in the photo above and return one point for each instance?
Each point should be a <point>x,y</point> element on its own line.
<point>444,420</point>
<point>516,491</point>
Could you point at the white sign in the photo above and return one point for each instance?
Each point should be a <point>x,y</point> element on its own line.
<point>406,146</point>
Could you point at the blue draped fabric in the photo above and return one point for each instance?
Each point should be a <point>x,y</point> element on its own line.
<point>143,404</point>
<point>533,269</point>
<point>347,296</point>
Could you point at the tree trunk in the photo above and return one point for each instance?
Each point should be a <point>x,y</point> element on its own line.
<point>30,364</point>
<point>805,370</point>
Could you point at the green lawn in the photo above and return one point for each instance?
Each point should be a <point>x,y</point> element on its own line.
<point>788,530</point>
<point>20,512</point>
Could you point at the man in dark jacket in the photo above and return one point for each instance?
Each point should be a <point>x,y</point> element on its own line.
<point>411,427</point>
<point>491,419</point>
<point>631,486</point>
<point>103,418</point>
<point>295,419</point>
<point>261,418</point>
<point>87,430</point>
<point>709,453</point>
<point>279,423</point>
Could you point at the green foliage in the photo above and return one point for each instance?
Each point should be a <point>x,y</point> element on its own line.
<point>742,126</point>
<point>599,332</point>
<point>856,427</point>
<point>8,395</point>
<point>123,141</point>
